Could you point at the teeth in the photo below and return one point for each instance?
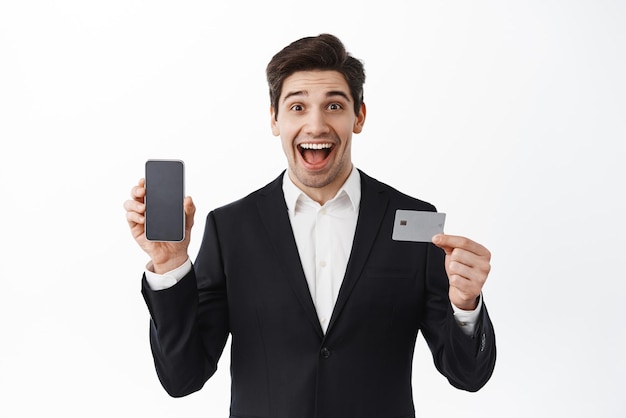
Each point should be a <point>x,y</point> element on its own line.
<point>315,146</point>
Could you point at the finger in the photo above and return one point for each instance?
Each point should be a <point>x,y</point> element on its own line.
<point>464,272</point>
<point>467,280</point>
<point>468,264</point>
<point>138,192</point>
<point>469,259</point>
<point>450,242</point>
<point>465,289</point>
<point>464,285</point>
<point>135,206</point>
<point>134,216</point>
<point>190,207</point>
<point>190,211</point>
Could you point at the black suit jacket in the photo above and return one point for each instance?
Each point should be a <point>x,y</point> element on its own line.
<point>248,281</point>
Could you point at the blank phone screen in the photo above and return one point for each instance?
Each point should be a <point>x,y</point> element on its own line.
<point>165,215</point>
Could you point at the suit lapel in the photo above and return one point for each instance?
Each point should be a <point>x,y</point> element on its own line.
<point>273,211</point>
<point>372,210</point>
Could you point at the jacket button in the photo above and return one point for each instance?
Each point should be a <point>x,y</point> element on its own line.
<point>325,353</point>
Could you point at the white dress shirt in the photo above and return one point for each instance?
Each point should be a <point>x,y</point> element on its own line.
<point>324,236</point>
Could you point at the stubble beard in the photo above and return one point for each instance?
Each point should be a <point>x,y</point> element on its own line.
<point>322,179</point>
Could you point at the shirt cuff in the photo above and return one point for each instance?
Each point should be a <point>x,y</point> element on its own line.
<point>467,319</point>
<point>166,280</point>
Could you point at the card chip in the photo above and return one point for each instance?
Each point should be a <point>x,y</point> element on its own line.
<point>403,222</point>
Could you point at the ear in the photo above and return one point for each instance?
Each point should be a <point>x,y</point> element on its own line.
<point>274,122</point>
<point>360,120</point>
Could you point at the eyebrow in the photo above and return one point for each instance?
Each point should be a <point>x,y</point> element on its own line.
<point>331,93</point>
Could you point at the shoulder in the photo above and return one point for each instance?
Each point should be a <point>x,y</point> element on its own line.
<point>370,185</point>
<point>272,191</point>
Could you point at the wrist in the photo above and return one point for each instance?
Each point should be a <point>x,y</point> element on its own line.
<point>470,305</point>
<point>168,265</point>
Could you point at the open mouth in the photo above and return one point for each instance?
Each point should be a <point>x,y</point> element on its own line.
<point>315,154</point>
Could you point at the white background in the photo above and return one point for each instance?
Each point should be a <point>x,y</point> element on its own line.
<point>509,116</point>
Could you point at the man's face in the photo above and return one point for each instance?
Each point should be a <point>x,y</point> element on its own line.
<point>315,122</point>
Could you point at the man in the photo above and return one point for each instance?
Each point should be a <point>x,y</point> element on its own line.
<point>322,305</point>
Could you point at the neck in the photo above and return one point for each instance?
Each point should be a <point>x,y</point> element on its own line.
<point>324,193</point>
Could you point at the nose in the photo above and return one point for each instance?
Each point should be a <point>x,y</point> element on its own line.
<point>316,124</point>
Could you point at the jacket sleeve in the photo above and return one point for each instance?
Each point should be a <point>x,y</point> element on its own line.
<point>189,321</point>
<point>466,361</point>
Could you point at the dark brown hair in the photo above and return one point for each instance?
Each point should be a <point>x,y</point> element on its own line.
<point>323,52</point>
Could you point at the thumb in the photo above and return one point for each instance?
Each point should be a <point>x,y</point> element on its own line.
<point>190,211</point>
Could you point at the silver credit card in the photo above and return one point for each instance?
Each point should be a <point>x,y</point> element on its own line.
<point>417,226</point>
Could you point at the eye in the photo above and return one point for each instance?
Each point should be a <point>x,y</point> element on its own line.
<point>297,108</point>
<point>335,106</point>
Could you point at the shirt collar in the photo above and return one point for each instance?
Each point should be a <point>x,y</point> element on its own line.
<point>351,188</point>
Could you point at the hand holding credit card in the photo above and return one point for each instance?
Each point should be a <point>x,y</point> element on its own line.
<point>417,226</point>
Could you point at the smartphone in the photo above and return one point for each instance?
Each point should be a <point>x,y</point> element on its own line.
<point>165,193</point>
